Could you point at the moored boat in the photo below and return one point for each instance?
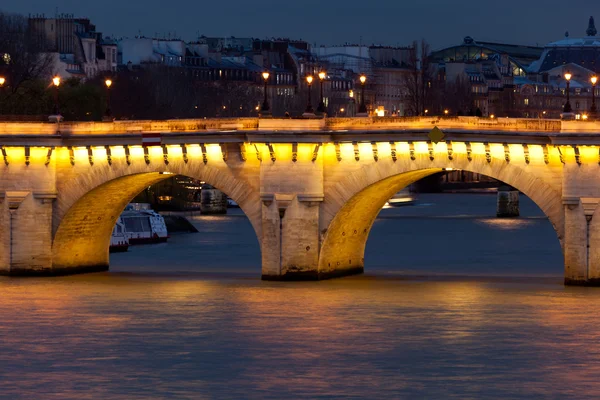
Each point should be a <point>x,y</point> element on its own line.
<point>144,226</point>
<point>118,241</point>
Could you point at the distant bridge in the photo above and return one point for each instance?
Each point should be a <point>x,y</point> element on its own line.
<point>311,188</point>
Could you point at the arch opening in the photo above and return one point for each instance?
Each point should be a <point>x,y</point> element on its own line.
<point>82,238</point>
<point>344,241</point>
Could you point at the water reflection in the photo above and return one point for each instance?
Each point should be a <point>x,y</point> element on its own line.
<point>191,320</point>
<point>114,336</point>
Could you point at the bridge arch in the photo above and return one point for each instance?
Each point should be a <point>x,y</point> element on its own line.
<point>92,199</point>
<point>352,204</point>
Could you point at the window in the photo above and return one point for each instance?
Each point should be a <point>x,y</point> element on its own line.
<point>526,101</point>
<point>577,104</point>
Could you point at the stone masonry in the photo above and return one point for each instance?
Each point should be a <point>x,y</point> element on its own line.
<point>310,188</point>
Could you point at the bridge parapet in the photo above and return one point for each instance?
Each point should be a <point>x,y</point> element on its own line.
<point>468,124</point>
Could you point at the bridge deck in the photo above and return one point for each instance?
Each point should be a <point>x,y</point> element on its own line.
<point>249,130</point>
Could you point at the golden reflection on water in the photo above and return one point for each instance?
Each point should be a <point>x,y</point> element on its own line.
<point>507,223</point>
<point>136,336</point>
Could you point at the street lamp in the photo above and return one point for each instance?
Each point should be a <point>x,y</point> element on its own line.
<point>321,107</point>
<point>265,109</point>
<point>594,79</point>
<point>56,83</point>
<point>567,107</point>
<point>309,109</point>
<point>108,83</point>
<point>2,82</point>
<point>446,111</point>
<point>363,108</point>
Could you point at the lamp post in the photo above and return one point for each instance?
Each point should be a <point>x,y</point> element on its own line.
<point>594,79</point>
<point>265,109</point>
<point>363,108</point>
<point>309,108</point>
<point>321,107</point>
<point>567,107</point>
<point>108,84</point>
<point>56,83</point>
<point>2,82</point>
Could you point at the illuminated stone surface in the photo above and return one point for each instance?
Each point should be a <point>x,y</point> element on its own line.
<point>310,188</point>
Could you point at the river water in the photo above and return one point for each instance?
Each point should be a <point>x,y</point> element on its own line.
<point>454,304</point>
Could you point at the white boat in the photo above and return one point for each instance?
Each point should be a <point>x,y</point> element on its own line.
<point>143,225</point>
<point>402,198</point>
<point>118,240</point>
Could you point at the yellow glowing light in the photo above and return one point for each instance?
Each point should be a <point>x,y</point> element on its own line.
<point>174,151</point>
<point>584,117</point>
<point>536,153</point>
<point>380,112</point>
<point>213,152</point>
<point>402,148</point>
<point>589,154</point>
<point>136,151</point>
<point>366,150</point>
<point>594,79</point>
<point>81,154</point>
<point>342,109</point>
<point>421,148</point>
<point>108,83</point>
<point>2,80</point>
<point>322,75</point>
<point>568,76</point>
<point>99,153</point>
<point>446,112</point>
<point>309,79</point>
<point>265,75</point>
<point>459,147</point>
<point>351,93</point>
<point>155,151</point>
<point>56,80</point>
<point>363,79</point>
<point>15,154</point>
<point>194,151</point>
<point>117,152</point>
<point>478,148</point>
<point>492,116</point>
<point>426,111</point>
<point>347,151</point>
<point>257,108</point>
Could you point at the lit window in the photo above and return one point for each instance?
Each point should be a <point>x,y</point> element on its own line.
<point>526,101</point>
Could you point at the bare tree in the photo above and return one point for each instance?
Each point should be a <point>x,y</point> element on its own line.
<point>23,64</point>
<point>458,97</point>
<point>418,80</point>
<point>22,57</point>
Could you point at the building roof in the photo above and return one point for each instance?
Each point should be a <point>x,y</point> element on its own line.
<point>470,50</point>
<point>580,51</point>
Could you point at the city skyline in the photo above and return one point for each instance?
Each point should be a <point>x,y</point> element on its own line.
<point>387,24</point>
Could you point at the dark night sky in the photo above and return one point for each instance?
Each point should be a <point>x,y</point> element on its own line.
<point>388,22</point>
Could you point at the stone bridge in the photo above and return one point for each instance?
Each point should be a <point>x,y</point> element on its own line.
<point>311,188</point>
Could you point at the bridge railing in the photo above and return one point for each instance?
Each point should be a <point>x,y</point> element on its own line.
<point>466,124</point>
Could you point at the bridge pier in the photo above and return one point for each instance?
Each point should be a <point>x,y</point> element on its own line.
<point>582,241</point>
<point>25,233</point>
<point>290,243</point>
